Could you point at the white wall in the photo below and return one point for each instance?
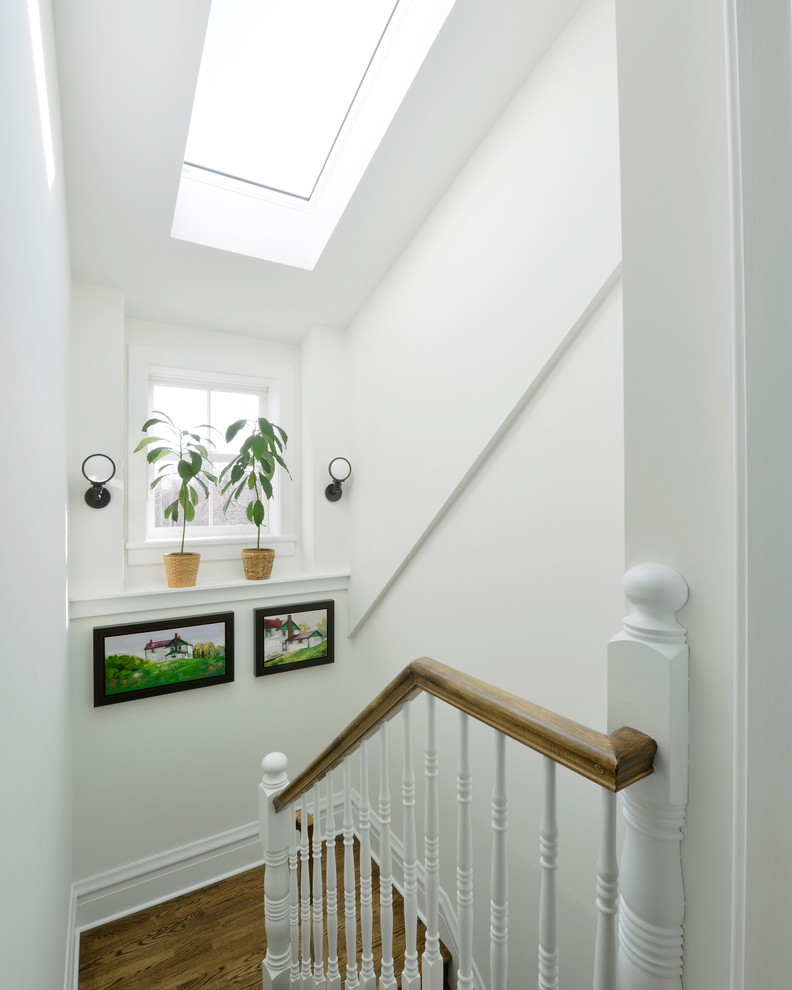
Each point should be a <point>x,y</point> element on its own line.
<point>35,774</point>
<point>765,808</point>
<point>471,312</point>
<point>519,581</point>
<point>155,774</point>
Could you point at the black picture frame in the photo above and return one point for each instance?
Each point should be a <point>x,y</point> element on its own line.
<point>280,630</point>
<point>166,651</point>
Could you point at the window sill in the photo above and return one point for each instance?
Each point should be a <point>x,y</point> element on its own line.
<point>210,548</point>
<point>152,599</point>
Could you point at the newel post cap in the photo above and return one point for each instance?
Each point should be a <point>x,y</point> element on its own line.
<point>273,768</point>
<point>656,593</point>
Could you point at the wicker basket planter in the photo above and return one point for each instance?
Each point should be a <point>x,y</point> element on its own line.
<point>257,563</point>
<point>181,569</point>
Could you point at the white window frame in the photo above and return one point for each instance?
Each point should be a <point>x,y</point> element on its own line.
<point>146,366</point>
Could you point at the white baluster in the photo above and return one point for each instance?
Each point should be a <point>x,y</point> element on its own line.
<point>548,896</point>
<point>431,961</point>
<point>648,689</point>
<point>294,905</point>
<point>411,979</point>
<point>387,978</point>
<point>274,834</point>
<point>350,909</point>
<point>606,946</point>
<point>305,898</point>
<point>333,973</point>
<point>368,980</point>
<point>318,898</point>
<point>464,857</point>
<point>499,903</point>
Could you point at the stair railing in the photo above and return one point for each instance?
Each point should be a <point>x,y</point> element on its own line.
<point>639,938</point>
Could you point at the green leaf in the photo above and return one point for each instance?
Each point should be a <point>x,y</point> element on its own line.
<point>210,476</point>
<point>251,481</point>
<point>185,469</point>
<point>258,512</point>
<point>233,429</point>
<point>150,422</point>
<point>189,512</point>
<point>265,426</point>
<point>200,481</point>
<point>146,441</point>
<point>165,417</point>
<point>265,484</point>
<point>249,511</point>
<point>237,472</point>
<point>282,463</point>
<point>282,433</point>
<point>157,454</point>
<point>259,447</point>
<point>193,495</point>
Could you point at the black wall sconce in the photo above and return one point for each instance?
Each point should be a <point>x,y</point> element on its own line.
<point>340,469</point>
<point>98,469</point>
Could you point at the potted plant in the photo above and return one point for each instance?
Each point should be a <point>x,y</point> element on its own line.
<point>184,457</point>
<point>251,473</point>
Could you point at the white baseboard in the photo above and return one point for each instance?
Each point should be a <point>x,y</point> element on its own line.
<point>107,896</point>
<point>102,898</point>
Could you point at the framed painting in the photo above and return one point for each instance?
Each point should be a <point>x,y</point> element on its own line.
<point>292,636</point>
<point>144,659</point>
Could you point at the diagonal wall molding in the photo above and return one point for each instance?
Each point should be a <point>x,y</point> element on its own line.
<point>492,444</point>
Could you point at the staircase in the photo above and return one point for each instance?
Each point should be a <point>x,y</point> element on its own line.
<point>333,911</point>
<point>313,903</point>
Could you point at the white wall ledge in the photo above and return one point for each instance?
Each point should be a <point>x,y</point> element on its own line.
<point>153,599</point>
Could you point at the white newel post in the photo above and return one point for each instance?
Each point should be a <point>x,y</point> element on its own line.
<point>275,833</point>
<point>648,690</point>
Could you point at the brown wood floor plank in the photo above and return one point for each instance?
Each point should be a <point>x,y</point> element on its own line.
<point>209,939</point>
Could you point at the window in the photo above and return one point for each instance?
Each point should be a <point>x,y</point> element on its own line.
<point>214,389</point>
<point>192,404</point>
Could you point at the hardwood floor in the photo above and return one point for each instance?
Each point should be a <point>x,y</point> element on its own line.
<point>213,937</point>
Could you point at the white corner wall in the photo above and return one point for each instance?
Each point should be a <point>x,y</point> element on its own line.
<point>35,769</point>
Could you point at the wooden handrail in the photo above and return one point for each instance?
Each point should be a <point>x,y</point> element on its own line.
<point>613,761</point>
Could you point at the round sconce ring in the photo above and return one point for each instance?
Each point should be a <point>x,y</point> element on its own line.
<point>98,469</point>
<point>340,470</point>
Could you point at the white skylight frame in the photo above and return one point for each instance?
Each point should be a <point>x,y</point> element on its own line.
<point>223,212</point>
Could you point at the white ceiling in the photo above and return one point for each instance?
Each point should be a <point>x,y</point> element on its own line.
<point>127,71</point>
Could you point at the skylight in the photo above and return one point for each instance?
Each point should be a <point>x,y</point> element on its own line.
<point>292,100</point>
<point>276,84</point>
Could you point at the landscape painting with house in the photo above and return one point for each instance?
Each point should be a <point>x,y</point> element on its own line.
<point>155,659</point>
<point>294,636</point>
